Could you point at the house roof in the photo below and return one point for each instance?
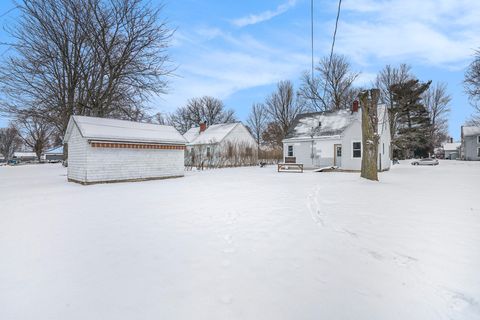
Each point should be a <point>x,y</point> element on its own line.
<point>122,130</point>
<point>213,134</point>
<point>451,146</point>
<point>470,131</point>
<point>320,124</point>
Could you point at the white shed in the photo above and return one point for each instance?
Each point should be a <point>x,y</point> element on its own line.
<point>106,150</point>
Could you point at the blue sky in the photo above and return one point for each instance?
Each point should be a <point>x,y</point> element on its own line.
<point>239,50</point>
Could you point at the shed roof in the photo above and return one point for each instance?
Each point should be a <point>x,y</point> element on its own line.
<point>213,134</point>
<point>320,124</point>
<point>470,131</point>
<point>123,130</point>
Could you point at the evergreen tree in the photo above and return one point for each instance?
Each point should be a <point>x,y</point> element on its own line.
<point>412,138</point>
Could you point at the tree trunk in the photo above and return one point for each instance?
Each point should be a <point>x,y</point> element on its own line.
<point>370,137</point>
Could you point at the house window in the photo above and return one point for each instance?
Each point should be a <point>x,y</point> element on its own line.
<point>357,149</point>
<point>339,151</point>
<point>290,151</point>
<point>478,152</point>
<point>478,139</point>
<point>208,151</point>
<point>383,148</point>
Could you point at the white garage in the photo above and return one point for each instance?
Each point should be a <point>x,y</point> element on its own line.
<point>106,150</point>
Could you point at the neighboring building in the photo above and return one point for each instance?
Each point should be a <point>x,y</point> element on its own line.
<point>25,156</point>
<point>470,145</point>
<point>2,158</point>
<point>106,150</point>
<point>53,155</point>
<point>220,145</point>
<point>451,150</point>
<point>324,139</point>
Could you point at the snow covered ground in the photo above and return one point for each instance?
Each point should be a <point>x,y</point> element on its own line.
<point>246,243</point>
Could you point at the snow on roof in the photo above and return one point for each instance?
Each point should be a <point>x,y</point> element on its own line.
<point>122,130</point>
<point>213,134</point>
<point>319,124</point>
<point>451,146</point>
<point>24,154</point>
<point>471,131</point>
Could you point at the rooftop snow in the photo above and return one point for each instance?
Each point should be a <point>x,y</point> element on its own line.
<point>471,131</point>
<point>451,146</point>
<point>122,130</point>
<point>213,134</point>
<point>331,124</point>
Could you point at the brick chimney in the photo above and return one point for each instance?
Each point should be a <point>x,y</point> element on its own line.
<point>203,126</point>
<point>451,140</point>
<point>355,106</point>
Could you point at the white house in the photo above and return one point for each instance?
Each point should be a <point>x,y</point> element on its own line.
<point>324,139</point>
<point>106,150</point>
<point>220,145</point>
<point>451,150</point>
<point>470,145</point>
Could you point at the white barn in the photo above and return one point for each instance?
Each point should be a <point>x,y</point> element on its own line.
<point>220,145</point>
<point>107,150</point>
<point>324,139</point>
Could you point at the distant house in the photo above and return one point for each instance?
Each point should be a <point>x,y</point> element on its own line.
<point>25,156</point>
<point>107,150</point>
<point>451,150</point>
<point>55,154</point>
<point>470,145</point>
<point>219,145</point>
<point>324,139</point>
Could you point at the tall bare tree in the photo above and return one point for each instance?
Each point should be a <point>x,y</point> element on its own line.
<point>197,110</point>
<point>283,106</point>
<point>9,141</point>
<point>333,88</point>
<point>472,86</point>
<point>370,137</point>
<point>386,79</point>
<point>89,57</point>
<point>36,133</point>
<point>257,122</point>
<point>437,102</point>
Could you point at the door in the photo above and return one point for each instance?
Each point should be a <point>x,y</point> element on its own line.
<point>337,155</point>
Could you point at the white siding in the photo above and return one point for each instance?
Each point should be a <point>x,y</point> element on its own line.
<point>110,164</point>
<point>77,156</point>
<point>352,134</point>
<point>323,152</point>
<point>240,135</point>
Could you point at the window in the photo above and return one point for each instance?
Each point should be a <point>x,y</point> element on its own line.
<point>208,151</point>
<point>478,152</point>
<point>339,151</point>
<point>290,151</point>
<point>478,139</point>
<point>357,149</point>
<point>383,148</point>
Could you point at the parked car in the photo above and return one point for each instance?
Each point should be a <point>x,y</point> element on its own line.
<point>425,162</point>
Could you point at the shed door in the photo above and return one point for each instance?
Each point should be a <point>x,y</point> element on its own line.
<point>338,155</point>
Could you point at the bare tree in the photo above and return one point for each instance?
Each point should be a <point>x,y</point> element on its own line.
<point>387,78</point>
<point>472,86</point>
<point>273,136</point>
<point>9,141</point>
<point>257,122</point>
<point>89,57</point>
<point>437,102</point>
<point>36,134</point>
<point>333,88</point>
<point>283,106</point>
<point>205,109</point>
<point>370,136</point>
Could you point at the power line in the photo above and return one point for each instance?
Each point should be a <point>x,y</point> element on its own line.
<point>331,49</point>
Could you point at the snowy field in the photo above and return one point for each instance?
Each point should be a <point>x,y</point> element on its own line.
<point>246,243</point>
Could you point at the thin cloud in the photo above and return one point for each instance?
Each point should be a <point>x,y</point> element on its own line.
<point>263,16</point>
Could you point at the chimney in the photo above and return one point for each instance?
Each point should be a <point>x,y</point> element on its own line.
<point>451,140</point>
<point>203,126</point>
<point>355,106</point>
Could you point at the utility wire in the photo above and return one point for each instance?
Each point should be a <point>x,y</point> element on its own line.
<point>331,49</point>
